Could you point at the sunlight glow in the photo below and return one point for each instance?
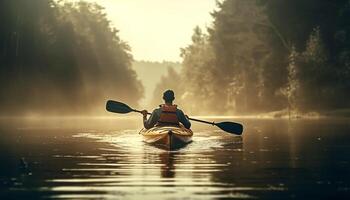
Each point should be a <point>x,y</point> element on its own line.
<point>157,29</point>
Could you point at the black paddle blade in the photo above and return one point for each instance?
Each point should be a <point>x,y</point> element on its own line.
<point>231,127</point>
<point>117,107</point>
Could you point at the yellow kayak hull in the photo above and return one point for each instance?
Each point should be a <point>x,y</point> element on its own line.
<point>167,137</point>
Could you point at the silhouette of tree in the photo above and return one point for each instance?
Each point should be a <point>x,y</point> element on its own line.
<point>62,57</point>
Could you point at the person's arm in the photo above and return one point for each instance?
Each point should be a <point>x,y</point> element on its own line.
<point>183,119</point>
<point>152,120</point>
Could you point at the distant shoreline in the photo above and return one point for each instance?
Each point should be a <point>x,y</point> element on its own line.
<point>282,114</point>
<point>342,113</point>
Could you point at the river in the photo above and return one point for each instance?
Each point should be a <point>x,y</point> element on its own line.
<point>105,158</point>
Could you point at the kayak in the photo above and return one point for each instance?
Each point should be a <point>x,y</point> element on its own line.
<point>167,137</point>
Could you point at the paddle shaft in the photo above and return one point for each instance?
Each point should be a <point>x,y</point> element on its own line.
<point>119,107</point>
<point>197,120</point>
<point>139,111</point>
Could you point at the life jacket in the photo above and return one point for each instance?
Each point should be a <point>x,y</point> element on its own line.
<point>168,115</point>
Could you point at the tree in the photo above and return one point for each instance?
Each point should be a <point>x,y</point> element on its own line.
<point>292,89</point>
<point>61,57</point>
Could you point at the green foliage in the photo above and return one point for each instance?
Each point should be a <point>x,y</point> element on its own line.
<point>62,57</point>
<point>198,71</point>
<point>223,72</point>
<point>268,55</point>
<point>292,89</point>
<point>318,76</point>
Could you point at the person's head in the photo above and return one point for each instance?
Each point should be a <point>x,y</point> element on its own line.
<point>168,96</point>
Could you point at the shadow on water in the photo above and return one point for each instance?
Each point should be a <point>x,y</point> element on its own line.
<point>89,159</point>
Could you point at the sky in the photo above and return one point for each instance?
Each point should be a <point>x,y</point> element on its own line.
<point>157,29</point>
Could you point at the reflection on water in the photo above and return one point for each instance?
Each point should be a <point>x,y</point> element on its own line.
<point>131,168</point>
<point>274,159</point>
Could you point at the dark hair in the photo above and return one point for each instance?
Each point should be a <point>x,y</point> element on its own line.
<point>168,96</point>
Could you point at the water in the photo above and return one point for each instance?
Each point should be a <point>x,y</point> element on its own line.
<point>96,158</point>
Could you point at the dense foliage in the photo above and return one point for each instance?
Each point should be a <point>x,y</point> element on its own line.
<point>268,55</point>
<point>61,57</point>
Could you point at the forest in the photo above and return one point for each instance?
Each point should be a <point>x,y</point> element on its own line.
<point>257,56</point>
<point>262,56</point>
<point>61,58</point>
<point>150,73</point>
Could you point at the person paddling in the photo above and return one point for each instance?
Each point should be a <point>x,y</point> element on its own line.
<point>167,114</point>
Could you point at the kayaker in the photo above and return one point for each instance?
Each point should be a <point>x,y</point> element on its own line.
<point>166,114</point>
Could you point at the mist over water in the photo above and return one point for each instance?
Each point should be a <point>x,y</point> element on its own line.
<point>281,68</point>
<point>62,58</point>
<point>66,58</point>
<point>106,158</point>
<point>150,74</point>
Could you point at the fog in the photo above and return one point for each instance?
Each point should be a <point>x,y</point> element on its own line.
<point>150,74</point>
<point>256,57</point>
<point>281,58</point>
<point>62,58</point>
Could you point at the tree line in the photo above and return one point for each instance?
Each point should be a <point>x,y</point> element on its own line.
<point>61,57</point>
<point>267,55</point>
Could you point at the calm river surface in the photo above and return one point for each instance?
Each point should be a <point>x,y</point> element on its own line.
<point>97,158</point>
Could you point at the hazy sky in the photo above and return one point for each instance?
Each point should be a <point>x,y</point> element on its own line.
<point>157,29</point>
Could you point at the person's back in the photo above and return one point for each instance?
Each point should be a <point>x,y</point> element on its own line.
<point>166,114</point>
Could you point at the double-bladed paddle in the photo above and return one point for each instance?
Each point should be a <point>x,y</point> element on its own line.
<point>231,127</point>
